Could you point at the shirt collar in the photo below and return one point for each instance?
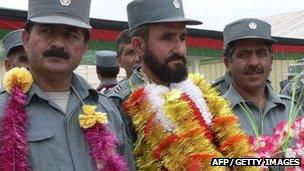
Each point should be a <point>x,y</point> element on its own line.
<point>108,81</point>
<point>235,98</point>
<point>81,86</point>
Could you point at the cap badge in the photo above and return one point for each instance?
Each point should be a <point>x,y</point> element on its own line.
<point>252,25</point>
<point>176,4</point>
<point>65,2</point>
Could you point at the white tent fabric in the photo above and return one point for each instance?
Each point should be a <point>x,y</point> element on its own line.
<point>289,24</point>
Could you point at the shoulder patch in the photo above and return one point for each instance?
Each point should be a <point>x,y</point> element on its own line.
<point>121,90</point>
<point>217,81</point>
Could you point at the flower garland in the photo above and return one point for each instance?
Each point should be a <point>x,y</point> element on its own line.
<point>13,132</point>
<point>13,137</point>
<point>273,145</point>
<point>102,143</point>
<point>177,127</point>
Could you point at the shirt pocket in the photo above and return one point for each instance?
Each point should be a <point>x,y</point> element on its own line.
<point>42,150</point>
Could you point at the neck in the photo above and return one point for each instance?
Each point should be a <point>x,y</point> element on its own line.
<point>52,83</point>
<point>152,76</point>
<point>258,97</point>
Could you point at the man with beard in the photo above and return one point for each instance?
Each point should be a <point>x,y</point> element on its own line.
<point>166,63</point>
<point>170,112</point>
<point>61,122</point>
<point>248,56</point>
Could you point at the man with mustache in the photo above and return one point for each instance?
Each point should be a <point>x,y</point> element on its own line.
<point>70,125</point>
<point>248,56</point>
<point>170,112</point>
<point>160,44</point>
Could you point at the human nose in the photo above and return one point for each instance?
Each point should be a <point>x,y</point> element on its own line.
<point>253,60</point>
<point>179,47</point>
<point>58,40</point>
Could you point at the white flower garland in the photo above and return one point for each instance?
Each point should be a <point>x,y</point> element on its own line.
<point>157,102</point>
<point>155,96</point>
<point>196,96</point>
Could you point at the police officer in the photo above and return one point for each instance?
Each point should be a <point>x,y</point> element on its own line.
<point>248,56</point>
<point>142,16</point>
<point>126,57</point>
<point>106,69</point>
<point>56,38</point>
<point>14,53</point>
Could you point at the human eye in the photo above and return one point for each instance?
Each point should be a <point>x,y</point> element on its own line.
<point>73,34</point>
<point>242,55</point>
<point>167,37</point>
<point>47,30</point>
<point>262,53</point>
<point>183,36</point>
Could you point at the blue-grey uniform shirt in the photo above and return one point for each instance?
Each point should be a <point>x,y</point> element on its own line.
<point>55,138</point>
<point>222,83</point>
<point>121,92</point>
<point>277,109</point>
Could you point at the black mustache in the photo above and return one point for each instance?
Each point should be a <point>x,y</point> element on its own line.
<point>176,57</point>
<point>56,53</point>
<point>253,70</point>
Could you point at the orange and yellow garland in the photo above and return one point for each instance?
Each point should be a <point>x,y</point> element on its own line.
<point>189,143</point>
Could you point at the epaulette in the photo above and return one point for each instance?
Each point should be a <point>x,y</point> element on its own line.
<point>217,81</point>
<point>282,96</point>
<point>121,90</point>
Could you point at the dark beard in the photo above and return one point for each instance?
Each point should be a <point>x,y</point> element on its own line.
<point>163,71</point>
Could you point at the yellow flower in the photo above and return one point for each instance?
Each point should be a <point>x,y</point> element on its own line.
<point>91,117</point>
<point>18,76</point>
<point>173,95</point>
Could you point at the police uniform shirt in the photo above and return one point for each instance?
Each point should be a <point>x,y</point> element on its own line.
<point>277,109</point>
<point>222,83</point>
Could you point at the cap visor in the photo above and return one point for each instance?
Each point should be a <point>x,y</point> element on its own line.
<point>184,20</point>
<point>272,41</point>
<point>60,20</point>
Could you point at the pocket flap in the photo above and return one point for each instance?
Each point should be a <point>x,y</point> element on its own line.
<point>41,135</point>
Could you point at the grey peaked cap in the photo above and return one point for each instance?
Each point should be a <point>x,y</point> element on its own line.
<point>11,40</point>
<point>142,12</point>
<point>75,12</point>
<point>247,28</point>
<point>106,59</point>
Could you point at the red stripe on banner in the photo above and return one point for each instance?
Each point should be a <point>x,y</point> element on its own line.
<point>195,42</point>
<point>11,24</point>
<point>106,35</point>
<point>288,49</point>
<point>204,43</point>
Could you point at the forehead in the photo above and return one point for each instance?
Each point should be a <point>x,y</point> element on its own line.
<point>174,27</point>
<point>58,26</point>
<point>250,43</point>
